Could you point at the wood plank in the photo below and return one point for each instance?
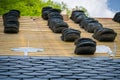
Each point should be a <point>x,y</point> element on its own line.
<point>35,31</point>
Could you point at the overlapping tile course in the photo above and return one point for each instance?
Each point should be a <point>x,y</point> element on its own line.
<point>59,68</point>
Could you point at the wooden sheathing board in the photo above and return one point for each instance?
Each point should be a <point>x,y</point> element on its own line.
<point>34,32</point>
<point>109,23</point>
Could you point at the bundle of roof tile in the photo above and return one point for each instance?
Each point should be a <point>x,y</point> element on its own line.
<point>11,22</point>
<point>77,16</point>
<point>55,19</point>
<point>85,46</point>
<point>93,26</point>
<point>45,12</point>
<point>89,24</point>
<point>116,17</point>
<point>69,34</point>
<point>105,34</point>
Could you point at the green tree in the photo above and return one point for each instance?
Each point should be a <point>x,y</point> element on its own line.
<point>26,7</point>
<point>32,7</point>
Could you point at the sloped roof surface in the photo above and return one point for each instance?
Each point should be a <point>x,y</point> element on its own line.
<point>35,33</point>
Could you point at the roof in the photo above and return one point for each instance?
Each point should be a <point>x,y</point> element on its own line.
<point>35,33</point>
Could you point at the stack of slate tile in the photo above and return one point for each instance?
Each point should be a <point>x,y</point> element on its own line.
<point>85,46</point>
<point>105,34</point>
<point>11,22</point>
<point>69,34</point>
<point>77,16</point>
<point>89,24</point>
<point>55,19</point>
<point>116,18</point>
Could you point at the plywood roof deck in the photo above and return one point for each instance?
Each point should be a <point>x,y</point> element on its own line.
<point>34,30</point>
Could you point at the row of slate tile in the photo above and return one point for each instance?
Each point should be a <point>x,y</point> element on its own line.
<point>58,68</point>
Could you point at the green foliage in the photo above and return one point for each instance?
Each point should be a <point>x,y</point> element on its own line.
<point>26,7</point>
<point>33,7</point>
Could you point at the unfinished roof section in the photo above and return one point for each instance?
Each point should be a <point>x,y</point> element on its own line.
<point>34,32</point>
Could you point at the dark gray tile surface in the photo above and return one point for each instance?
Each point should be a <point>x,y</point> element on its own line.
<point>61,68</point>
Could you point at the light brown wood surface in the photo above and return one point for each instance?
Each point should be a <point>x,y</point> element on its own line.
<point>34,30</point>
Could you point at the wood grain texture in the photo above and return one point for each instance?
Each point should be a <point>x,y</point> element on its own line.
<point>35,31</point>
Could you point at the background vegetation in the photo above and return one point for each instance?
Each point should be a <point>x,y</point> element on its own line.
<point>30,7</point>
<point>26,7</point>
